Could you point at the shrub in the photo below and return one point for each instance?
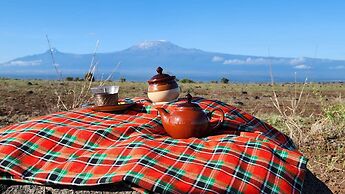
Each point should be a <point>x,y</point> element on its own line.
<point>224,80</point>
<point>122,79</point>
<point>78,79</point>
<point>69,78</point>
<point>335,113</point>
<point>185,80</point>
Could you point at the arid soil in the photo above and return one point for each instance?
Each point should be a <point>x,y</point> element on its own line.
<point>314,118</point>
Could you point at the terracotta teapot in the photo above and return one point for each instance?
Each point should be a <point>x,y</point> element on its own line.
<point>188,120</point>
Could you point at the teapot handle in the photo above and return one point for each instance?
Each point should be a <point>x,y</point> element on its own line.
<point>221,119</point>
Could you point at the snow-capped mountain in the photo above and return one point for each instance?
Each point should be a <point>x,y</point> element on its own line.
<point>140,61</point>
<point>158,44</point>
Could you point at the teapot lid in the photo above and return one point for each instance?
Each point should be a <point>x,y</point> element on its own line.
<point>189,103</point>
<point>161,77</point>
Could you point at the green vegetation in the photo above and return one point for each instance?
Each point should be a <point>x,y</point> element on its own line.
<point>69,79</point>
<point>78,79</point>
<point>186,80</point>
<point>224,80</point>
<point>74,79</point>
<point>336,113</point>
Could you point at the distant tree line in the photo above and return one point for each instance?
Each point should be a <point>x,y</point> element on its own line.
<point>223,80</point>
<point>88,77</point>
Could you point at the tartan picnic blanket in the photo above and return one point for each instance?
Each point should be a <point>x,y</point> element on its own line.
<point>84,148</point>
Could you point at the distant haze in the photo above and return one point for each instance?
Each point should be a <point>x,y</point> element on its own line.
<point>138,63</point>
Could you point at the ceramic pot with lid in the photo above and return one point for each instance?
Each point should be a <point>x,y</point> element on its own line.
<point>162,88</point>
<point>188,120</point>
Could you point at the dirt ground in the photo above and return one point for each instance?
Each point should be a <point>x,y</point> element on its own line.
<point>318,114</point>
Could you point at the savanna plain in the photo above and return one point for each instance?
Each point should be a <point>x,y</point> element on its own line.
<point>312,114</point>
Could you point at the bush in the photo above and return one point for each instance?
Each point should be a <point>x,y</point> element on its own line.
<point>224,80</point>
<point>336,113</point>
<point>69,78</point>
<point>78,79</point>
<point>185,80</point>
<point>122,79</point>
<point>214,82</point>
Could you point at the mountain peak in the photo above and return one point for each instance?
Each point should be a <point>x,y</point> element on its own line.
<point>155,45</point>
<point>152,43</point>
<point>53,50</point>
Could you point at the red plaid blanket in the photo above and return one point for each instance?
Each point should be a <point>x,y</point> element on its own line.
<point>83,147</point>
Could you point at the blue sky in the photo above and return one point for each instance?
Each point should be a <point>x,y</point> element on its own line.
<point>290,28</point>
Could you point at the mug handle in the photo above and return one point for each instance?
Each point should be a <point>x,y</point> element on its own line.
<point>221,119</point>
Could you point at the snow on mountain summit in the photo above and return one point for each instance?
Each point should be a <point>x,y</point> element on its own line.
<point>160,46</point>
<point>155,45</point>
<point>149,44</point>
<point>53,50</point>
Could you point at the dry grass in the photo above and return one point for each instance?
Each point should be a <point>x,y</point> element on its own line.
<point>291,113</point>
<point>318,113</point>
<point>80,94</point>
<point>320,136</point>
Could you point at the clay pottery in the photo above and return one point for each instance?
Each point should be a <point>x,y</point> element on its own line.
<point>162,88</point>
<point>188,120</point>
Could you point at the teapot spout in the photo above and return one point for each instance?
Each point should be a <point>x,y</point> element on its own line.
<point>164,114</point>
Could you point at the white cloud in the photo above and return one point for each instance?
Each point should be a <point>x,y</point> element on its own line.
<point>297,61</point>
<point>338,67</point>
<point>248,61</point>
<point>302,66</point>
<point>23,63</point>
<point>217,59</point>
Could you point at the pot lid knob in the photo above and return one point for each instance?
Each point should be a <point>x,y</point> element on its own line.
<point>189,103</point>
<point>161,77</point>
